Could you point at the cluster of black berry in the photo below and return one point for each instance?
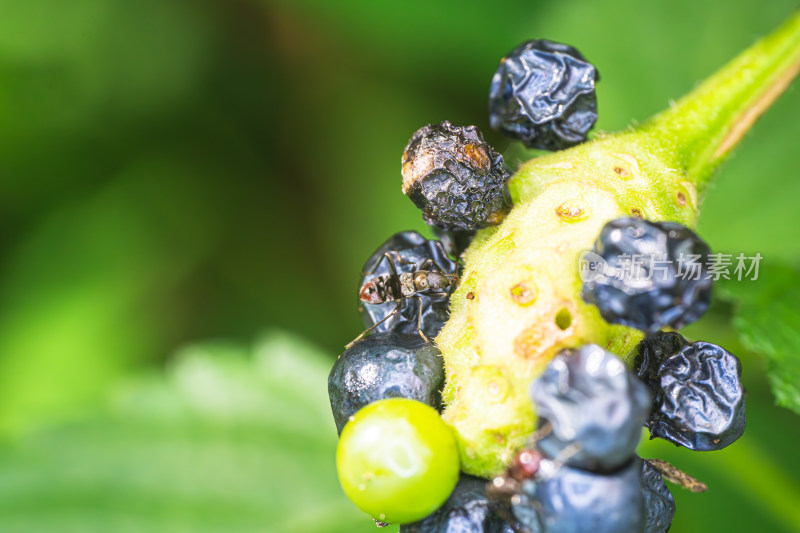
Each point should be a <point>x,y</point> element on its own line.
<point>399,462</point>
<point>697,392</point>
<point>459,182</point>
<point>580,471</point>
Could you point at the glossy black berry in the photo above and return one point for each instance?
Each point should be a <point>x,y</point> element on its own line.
<point>455,177</point>
<point>543,93</point>
<point>454,241</point>
<point>652,352</point>
<point>408,249</point>
<point>590,399</point>
<point>573,500</point>
<point>525,510</point>
<point>385,365</point>
<point>658,501</point>
<point>647,275</point>
<point>468,510</point>
<point>701,402</point>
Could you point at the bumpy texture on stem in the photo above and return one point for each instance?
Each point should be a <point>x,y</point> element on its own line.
<point>519,301</point>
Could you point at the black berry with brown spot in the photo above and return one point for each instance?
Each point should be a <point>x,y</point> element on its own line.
<point>573,500</point>
<point>456,179</point>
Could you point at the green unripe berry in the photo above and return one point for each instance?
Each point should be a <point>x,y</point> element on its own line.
<point>397,460</point>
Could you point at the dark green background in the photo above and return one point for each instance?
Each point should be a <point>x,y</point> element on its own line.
<point>174,171</point>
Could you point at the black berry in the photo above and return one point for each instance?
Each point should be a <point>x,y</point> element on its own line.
<point>574,501</point>
<point>455,177</point>
<point>701,402</point>
<point>652,352</point>
<point>658,501</point>
<point>408,249</point>
<point>648,275</point>
<point>590,399</point>
<point>454,241</point>
<point>543,93</point>
<point>467,510</point>
<point>385,365</point>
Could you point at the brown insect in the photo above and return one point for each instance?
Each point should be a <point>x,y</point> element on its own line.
<point>396,287</point>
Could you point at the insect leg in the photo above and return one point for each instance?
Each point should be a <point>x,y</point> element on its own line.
<point>438,267</point>
<point>401,261</point>
<point>426,264</point>
<point>419,319</point>
<point>386,256</point>
<point>373,326</point>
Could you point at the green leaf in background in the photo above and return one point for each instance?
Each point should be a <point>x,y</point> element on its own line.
<point>226,440</point>
<point>767,318</point>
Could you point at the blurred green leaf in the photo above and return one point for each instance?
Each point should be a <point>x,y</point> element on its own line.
<point>227,440</point>
<point>90,291</point>
<point>73,66</point>
<point>767,318</point>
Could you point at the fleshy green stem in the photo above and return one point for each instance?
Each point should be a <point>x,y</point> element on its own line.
<point>519,300</point>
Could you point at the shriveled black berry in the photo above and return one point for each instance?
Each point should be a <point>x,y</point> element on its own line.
<point>385,365</point>
<point>658,501</point>
<point>408,249</point>
<point>578,501</point>
<point>648,275</point>
<point>590,399</point>
<point>467,510</point>
<point>455,177</point>
<point>543,93</point>
<point>702,400</point>
<point>652,352</point>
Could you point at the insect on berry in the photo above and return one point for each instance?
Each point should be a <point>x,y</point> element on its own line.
<point>456,179</point>
<point>396,287</point>
<point>426,311</point>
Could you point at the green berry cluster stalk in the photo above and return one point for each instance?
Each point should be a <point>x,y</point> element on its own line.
<point>519,300</point>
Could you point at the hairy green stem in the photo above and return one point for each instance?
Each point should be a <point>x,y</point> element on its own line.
<point>703,127</point>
